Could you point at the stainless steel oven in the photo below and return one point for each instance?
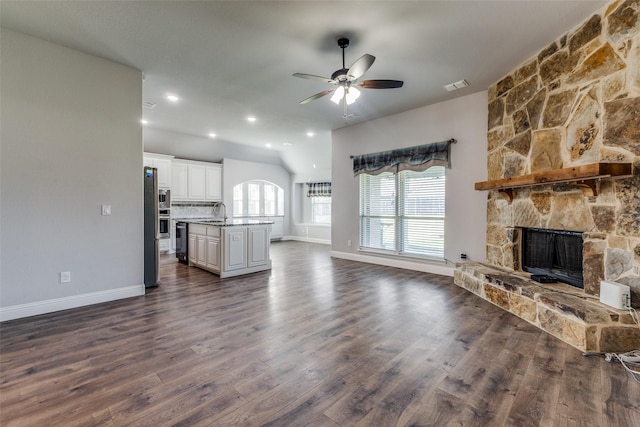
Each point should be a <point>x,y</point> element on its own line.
<point>164,198</point>
<point>164,227</point>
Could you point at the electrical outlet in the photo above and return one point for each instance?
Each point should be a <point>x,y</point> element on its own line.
<point>463,256</point>
<point>65,276</point>
<point>106,209</point>
<point>349,243</point>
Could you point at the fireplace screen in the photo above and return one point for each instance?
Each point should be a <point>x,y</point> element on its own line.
<point>553,253</point>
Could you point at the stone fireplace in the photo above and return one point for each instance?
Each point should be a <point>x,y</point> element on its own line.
<point>576,103</point>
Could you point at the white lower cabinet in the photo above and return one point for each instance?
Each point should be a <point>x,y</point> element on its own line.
<point>277,229</point>
<point>213,253</point>
<point>192,248</point>
<point>201,250</point>
<point>230,250</point>
<point>235,248</point>
<point>258,246</point>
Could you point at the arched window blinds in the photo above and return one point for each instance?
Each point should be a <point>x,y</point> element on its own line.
<point>418,158</point>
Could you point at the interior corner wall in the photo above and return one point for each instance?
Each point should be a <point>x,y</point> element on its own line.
<point>464,119</point>
<point>71,141</point>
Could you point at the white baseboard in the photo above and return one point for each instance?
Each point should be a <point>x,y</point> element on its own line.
<point>307,239</point>
<point>49,306</point>
<point>426,266</point>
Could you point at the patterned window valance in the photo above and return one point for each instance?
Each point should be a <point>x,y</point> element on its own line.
<point>318,189</point>
<point>417,158</point>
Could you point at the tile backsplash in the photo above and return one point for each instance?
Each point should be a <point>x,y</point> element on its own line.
<point>193,210</point>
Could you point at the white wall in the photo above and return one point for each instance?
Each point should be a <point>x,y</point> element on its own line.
<point>464,119</point>
<point>193,147</point>
<point>235,172</point>
<point>302,228</point>
<point>309,161</point>
<point>70,141</point>
<point>312,163</point>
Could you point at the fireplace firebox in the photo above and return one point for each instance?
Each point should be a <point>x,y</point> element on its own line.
<point>553,255</point>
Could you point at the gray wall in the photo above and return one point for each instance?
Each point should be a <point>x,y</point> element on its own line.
<point>464,119</point>
<point>70,141</point>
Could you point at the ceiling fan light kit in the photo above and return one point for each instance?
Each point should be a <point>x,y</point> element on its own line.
<point>346,78</point>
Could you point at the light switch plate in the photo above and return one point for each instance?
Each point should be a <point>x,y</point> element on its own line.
<point>106,209</point>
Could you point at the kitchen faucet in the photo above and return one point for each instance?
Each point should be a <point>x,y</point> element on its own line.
<point>225,210</point>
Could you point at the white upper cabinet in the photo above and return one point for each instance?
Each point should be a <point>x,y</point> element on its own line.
<point>196,181</point>
<point>163,164</point>
<point>213,183</point>
<point>179,179</point>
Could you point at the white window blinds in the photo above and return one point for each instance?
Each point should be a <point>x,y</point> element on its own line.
<point>403,212</point>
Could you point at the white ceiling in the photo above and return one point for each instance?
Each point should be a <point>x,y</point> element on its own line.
<point>230,59</point>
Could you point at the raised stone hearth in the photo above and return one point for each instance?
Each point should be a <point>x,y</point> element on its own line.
<point>559,309</point>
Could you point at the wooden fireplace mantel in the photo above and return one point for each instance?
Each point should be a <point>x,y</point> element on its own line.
<point>587,177</point>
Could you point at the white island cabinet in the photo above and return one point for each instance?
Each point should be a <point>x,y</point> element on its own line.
<point>230,249</point>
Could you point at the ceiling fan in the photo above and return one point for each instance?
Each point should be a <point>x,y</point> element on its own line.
<point>346,79</point>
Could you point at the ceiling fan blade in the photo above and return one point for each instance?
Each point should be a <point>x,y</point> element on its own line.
<point>360,66</point>
<point>312,77</point>
<point>316,96</point>
<point>379,84</point>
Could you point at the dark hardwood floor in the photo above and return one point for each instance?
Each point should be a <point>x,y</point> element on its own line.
<point>314,342</point>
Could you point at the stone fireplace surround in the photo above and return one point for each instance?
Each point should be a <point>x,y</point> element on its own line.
<point>577,102</point>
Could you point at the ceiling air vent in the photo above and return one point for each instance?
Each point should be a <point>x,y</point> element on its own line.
<point>149,105</point>
<point>456,85</point>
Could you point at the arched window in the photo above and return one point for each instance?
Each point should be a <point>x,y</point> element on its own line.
<point>258,198</point>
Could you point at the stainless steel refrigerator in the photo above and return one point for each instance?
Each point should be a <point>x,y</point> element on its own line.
<point>151,225</point>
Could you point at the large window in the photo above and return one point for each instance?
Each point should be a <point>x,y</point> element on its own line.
<point>258,198</point>
<point>403,212</point>
<point>320,210</point>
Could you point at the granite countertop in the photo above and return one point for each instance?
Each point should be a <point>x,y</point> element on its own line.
<point>194,218</point>
<point>227,223</point>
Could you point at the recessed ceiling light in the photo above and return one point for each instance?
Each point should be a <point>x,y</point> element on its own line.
<point>267,145</point>
<point>251,119</point>
<point>310,134</point>
<point>144,122</point>
<point>212,135</point>
<point>173,98</point>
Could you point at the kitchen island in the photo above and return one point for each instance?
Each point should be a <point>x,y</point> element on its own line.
<point>229,248</point>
